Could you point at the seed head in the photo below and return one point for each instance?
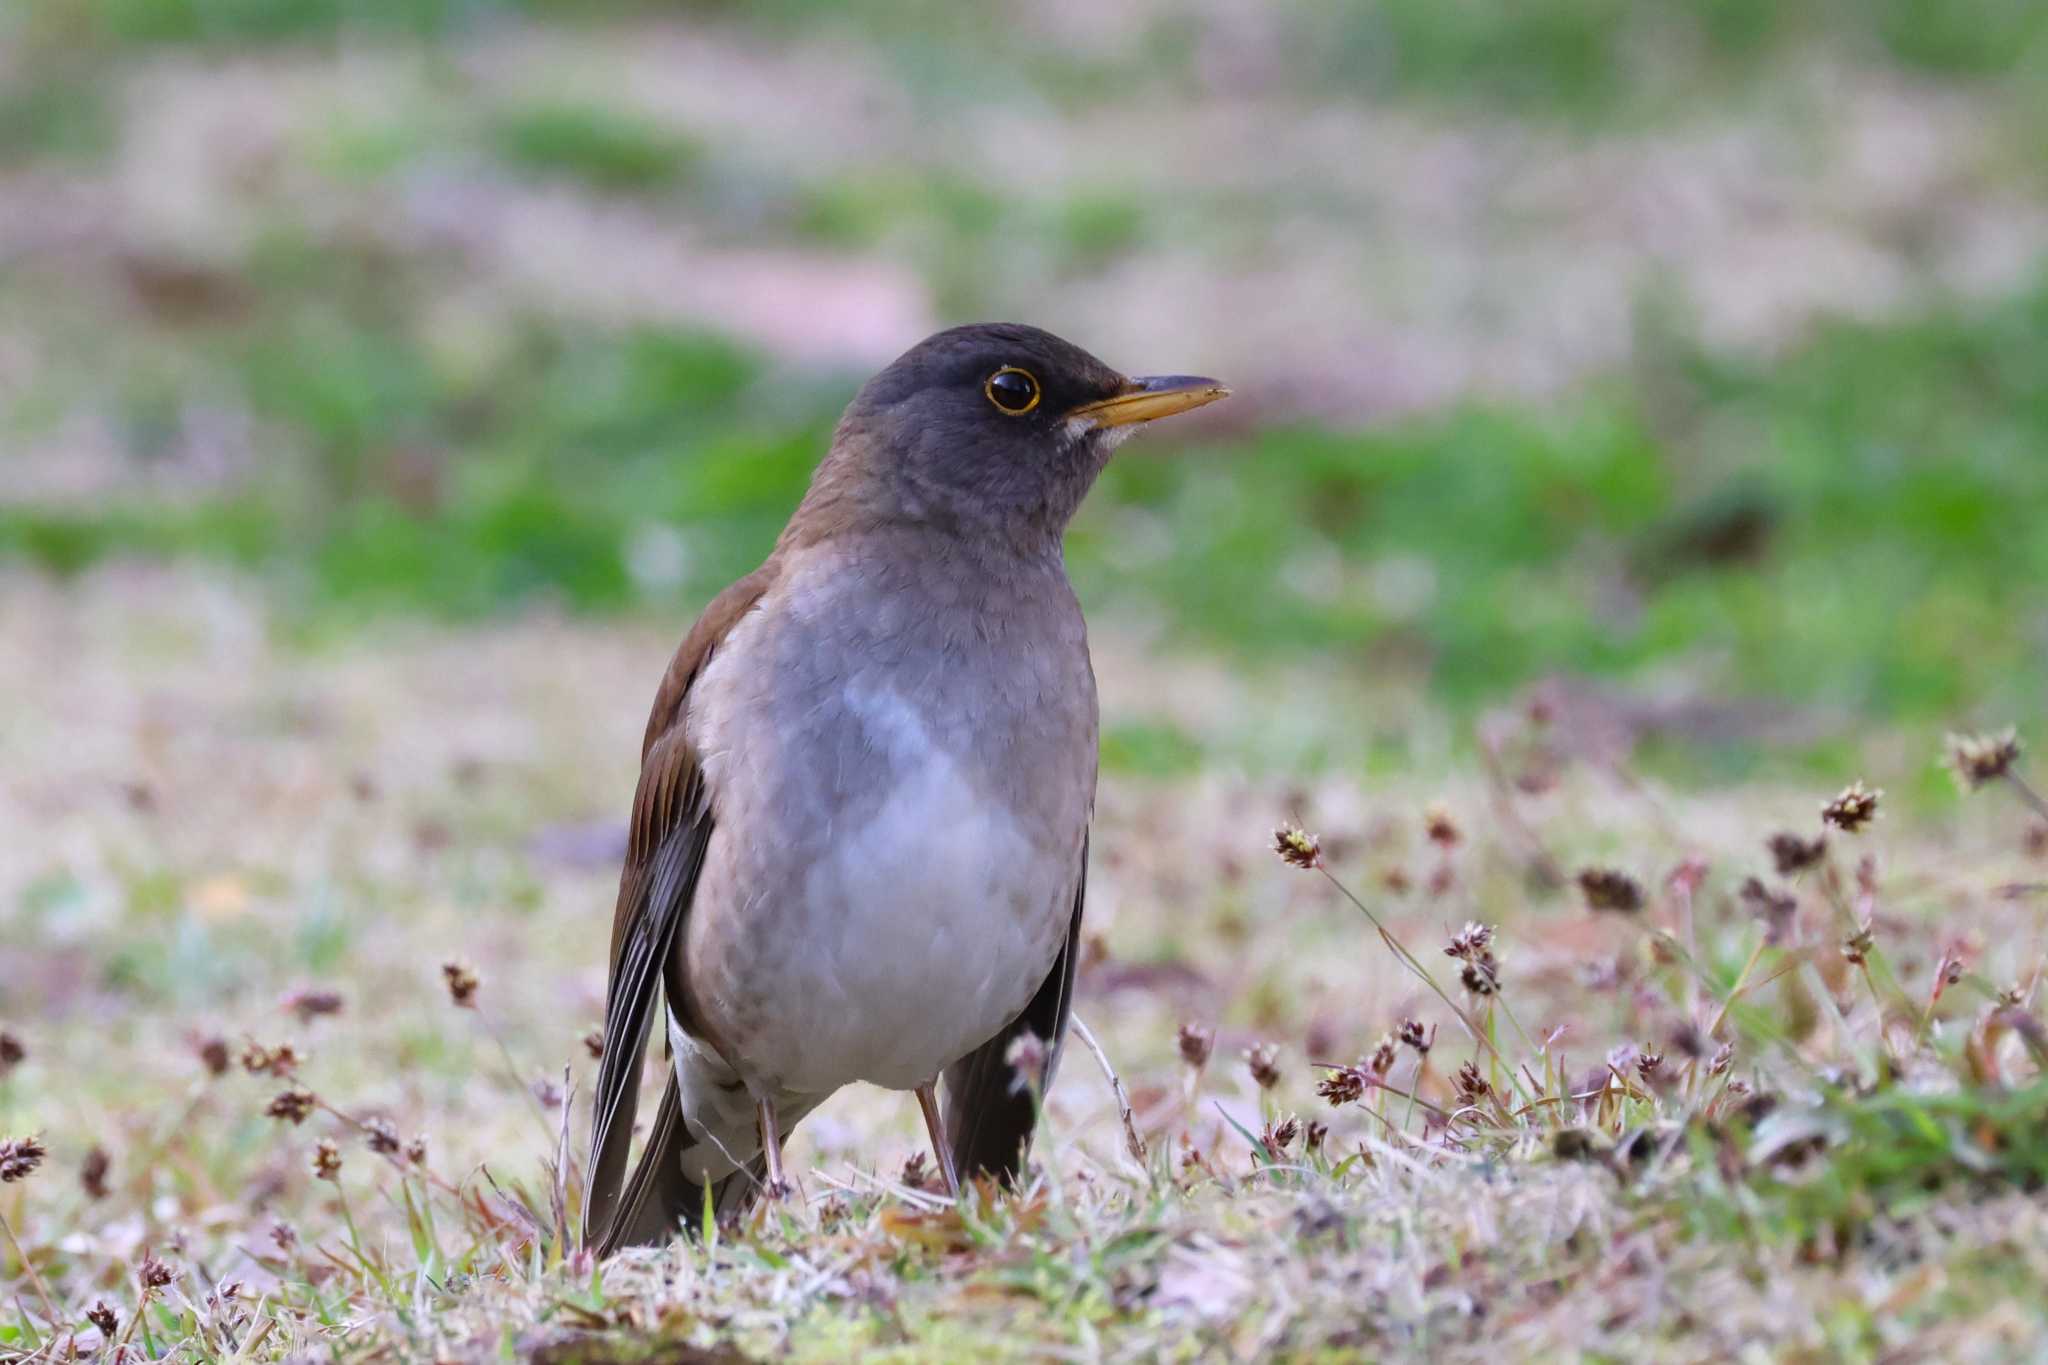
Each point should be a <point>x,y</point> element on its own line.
<point>1723,1057</point>
<point>1974,760</point>
<point>1774,908</point>
<point>381,1136</point>
<point>104,1318</point>
<point>19,1158</point>
<point>1196,1043</point>
<point>280,1059</point>
<point>1413,1035</point>
<point>1341,1085</point>
<point>1481,975</point>
<point>285,1236</point>
<point>152,1274</point>
<point>1793,854</point>
<point>416,1151</point>
<point>1278,1137</point>
<point>1026,1057</point>
<point>1648,1065</point>
<point>312,1004</point>
<point>92,1175</point>
<point>326,1161</point>
<point>293,1106</point>
<point>1297,847</point>
<point>1263,1061</point>
<point>915,1172</point>
<point>12,1052</point>
<point>213,1055</point>
<point>1856,947</point>
<point>1853,810</point>
<point>1312,1136</point>
<point>1471,1085</point>
<point>1382,1059</point>
<point>1950,968</point>
<point>1611,889</point>
<point>593,1043</point>
<point>1441,826</point>
<point>462,984</point>
<point>1470,942</point>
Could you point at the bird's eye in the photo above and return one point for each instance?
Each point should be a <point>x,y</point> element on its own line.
<point>1013,390</point>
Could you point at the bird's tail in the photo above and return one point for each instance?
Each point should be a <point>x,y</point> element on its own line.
<point>659,1196</point>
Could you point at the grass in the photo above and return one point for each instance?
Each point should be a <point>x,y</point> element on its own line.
<point>601,147</point>
<point>1655,1107</point>
<point>1767,527</point>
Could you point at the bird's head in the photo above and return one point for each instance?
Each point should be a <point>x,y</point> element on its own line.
<point>994,428</point>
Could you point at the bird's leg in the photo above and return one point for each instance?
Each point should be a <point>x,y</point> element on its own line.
<point>935,1125</point>
<point>775,1187</point>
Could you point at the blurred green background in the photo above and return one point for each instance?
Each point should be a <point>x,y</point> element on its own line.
<point>1697,348</point>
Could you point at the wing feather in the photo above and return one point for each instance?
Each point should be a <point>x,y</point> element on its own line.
<point>668,834</point>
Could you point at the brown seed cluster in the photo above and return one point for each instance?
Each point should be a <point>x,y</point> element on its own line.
<point>312,1004</point>
<point>593,1043</point>
<point>1413,1035</point>
<point>1793,854</point>
<point>1297,847</point>
<point>326,1162</point>
<point>1775,908</point>
<point>280,1059</point>
<point>381,1136</point>
<point>104,1318</point>
<point>92,1175</point>
<point>1473,945</point>
<point>19,1158</point>
<point>152,1274</point>
<point>1278,1137</point>
<point>1471,1085</point>
<point>1852,810</point>
<point>1856,948</point>
<point>1441,826</point>
<point>1611,889</point>
<point>213,1055</point>
<point>1263,1061</point>
<point>1342,1085</point>
<point>1196,1043</point>
<point>462,984</point>
<point>1976,759</point>
<point>292,1106</point>
<point>1470,942</point>
<point>1381,1061</point>
<point>13,1052</point>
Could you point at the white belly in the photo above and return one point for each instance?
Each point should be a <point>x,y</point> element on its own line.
<point>918,925</point>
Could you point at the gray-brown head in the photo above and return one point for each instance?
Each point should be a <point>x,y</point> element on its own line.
<point>992,430</point>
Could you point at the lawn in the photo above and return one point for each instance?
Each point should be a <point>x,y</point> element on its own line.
<point>1640,444</point>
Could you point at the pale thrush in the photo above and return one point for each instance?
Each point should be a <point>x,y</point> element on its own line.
<point>860,840</point>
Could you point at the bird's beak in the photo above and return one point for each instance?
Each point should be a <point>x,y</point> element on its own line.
<point>1148,399</point>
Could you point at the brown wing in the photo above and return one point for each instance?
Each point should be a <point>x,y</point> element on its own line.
<point>670,829</point>
<point>989,1119</point>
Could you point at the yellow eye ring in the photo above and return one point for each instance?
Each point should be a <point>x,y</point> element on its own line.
<point>1008,395</point>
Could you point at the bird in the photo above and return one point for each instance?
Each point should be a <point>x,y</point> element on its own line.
<point>858,845</point>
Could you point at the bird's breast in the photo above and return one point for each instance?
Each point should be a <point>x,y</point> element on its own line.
<point>896,847</point>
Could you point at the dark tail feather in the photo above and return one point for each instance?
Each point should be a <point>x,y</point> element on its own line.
<point>659,1198</point>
